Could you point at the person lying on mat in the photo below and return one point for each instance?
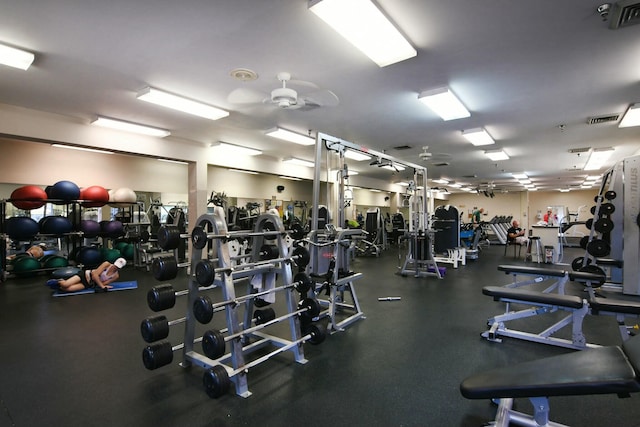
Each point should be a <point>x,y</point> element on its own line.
<point>98,278</point>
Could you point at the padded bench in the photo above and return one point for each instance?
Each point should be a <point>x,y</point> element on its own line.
<point>604,370</point>
<point>538,275</point>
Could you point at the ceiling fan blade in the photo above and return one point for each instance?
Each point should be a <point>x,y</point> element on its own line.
<point>322,98</point>
<point>246,96</point>
<point>303,84</point>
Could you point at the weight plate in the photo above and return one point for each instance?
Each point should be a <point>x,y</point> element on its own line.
<point>593,210</point>
<point>161,297</point>
<point>164,268</point>
<point>589,223</point>
<point>598,198</point>
<point>157,355</point>
<point>168,237</point>
<point>297,231</point>
<point>302,256</point>
<point>610,195</point>
<point>603,225</point>
<point>316,332</point>
<point>213,344</point>
<point>259,302</point>
<point>607,209</point>
<point>199,237</point>
<point>154,328</point>
<point>205,272</point>
<point>594,269</point>
<point>216,381</point>
<point>584,241</point>
<point>598,248</point>
<point>264,315</point>
<point>203,309</point>
<point>304,282</point>
<point>577,263</point>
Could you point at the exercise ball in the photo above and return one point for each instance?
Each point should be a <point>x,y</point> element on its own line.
<point>15,259</point>
<point>89,256</point>
<point>112,228</point>
<point>90,228</point>
<point>65,273</point>
<point>94,196</point>
<point>110,255</point>
<point>64,191</point>
<point>124,195</point>
<point>56,261</point>
<point>28,197</point>
<point>120,245</point>
<point>128,250</point>
<point>25,266</point>
<point>56,225</point>
<point>21,228</point>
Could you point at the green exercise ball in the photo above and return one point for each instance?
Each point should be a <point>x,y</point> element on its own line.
<point>110,255</point>
<point>56,261</point>
<point>128,251</point>
<point>18,257</point>
<point>120,245</point>
<point>26,266</point>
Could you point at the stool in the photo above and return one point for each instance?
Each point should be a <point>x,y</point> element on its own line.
<point>534,240</point>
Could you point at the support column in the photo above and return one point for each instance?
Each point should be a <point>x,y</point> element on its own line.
<point>198,196</point>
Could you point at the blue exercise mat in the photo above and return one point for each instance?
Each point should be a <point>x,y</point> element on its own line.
<point>117,286</point>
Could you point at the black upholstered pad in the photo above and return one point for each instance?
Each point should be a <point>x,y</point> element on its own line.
<point>601,370</point>
<point>581,276</point>
<point>569,301</point>
<point>532,271</point>
<point>614,306</point>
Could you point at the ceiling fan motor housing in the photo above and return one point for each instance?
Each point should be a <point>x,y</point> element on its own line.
<point>284,97</point>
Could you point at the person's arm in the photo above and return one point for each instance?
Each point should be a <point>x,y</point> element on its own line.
<point>95,275</point>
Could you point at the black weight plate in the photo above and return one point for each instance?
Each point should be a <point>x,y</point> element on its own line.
<point>203,309</point>
<point>154,328</point>
<point>265,315</point>
<point>598,198</point>
<point>161,297</point>
<point>157,355</point>
<point>603,225</point>
<point>205,272</point>
<point>259,302</point>
<point>168,237</point>
<point>589,223</point>
<point>302,256</point>
<point>199,237</point>
<point>598,248</point>
<point>164,268</point>
<point>216,381</point>
<point>316,332</point>
<point>610,195</point>
<point>213,344</point>
<point>594,269</point>
<point>607,209</point>
<point>593,210</point>
<point>576,264</point>
<point>584,241</point>
<point>304,282</point>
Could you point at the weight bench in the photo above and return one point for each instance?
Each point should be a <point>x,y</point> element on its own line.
<point>542,303</point>
<point>604,370</point>
<point>539,275</point>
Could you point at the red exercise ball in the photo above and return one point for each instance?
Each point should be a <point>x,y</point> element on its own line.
<point>94,196</point>
<point>28,197</point>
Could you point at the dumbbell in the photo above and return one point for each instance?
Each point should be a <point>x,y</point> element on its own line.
<point>200,236</point>
<point>206,269</point>
<point>157,328</point>
<point>166,267</point>
<point>216,380</point>
<point>163,297</point>
<point>214,342</point>
<point>203,307</point>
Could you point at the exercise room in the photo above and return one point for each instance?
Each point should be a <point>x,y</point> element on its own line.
<point>238,214</point>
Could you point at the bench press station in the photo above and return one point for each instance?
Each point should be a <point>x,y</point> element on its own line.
<point>546,302</point>
<point>604,370</point>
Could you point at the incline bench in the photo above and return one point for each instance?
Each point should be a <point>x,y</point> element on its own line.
<point>604,370</point>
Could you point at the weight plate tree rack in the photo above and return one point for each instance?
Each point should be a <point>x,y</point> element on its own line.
<point>210,236</point>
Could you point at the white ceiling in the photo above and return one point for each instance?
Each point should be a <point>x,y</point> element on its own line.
<point>531,73</point>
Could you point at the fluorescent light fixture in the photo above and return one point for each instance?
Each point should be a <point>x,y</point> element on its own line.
<point>73,147</point>
<point>444,103</point>
<point>299,162</point>
<point>178,162</point>
<point>235,149</point>
<point>592,177</point>
<point>532,189</point>
<point>290,178</point>
<point>373,190</point>
<point>15,57</point>
<point>520,175</point>
<point>440,181</point>
<point>524,181</point>
<point>403,183</point>
<point>356,155</point>
<point>597,158</point>
<point>366,27</point>
<point>455,185</point>
<point>496,155</point>
<point>350,172</point>
<point>243,171</point>
<point>294,137</point>
<point>179,103</point>
<point>631,117</point>
<point>478,136</point>
<point>393,167</point>
<point>468,189</point>
<point>130,127</point>
<point>564,190</point>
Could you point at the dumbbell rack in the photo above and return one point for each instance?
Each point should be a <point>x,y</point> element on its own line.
<point>234,363</point>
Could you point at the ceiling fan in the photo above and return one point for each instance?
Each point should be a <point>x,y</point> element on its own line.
<point>308,95</point>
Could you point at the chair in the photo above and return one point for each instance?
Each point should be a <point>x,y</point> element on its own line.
<point>515,245</point>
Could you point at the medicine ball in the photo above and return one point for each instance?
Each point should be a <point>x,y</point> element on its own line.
<point>90,228</point>
<point>124,195</point>
<point>63,192</point>
<point>89,256</point>
<point>56,225</point>
<point>35,195</point>
<point>94,196</point>
<point>112,228</point>
<point>25,266</point>
<point>21,228</point>
<point>56,261</point>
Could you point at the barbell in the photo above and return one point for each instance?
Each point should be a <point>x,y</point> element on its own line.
<point>214,342</point>
<point>216,380</point>
<point>203,307</point>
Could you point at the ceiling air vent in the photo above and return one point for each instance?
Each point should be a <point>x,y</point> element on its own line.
<point>624,13</point>
<point>603,119</point>
<point>403,147</point>
<point>579,150</point>
<point>441,164</point>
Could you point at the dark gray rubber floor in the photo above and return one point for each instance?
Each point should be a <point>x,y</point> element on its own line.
<point>76,361</point>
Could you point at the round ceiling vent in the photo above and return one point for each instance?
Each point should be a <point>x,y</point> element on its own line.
<point>243,74</point>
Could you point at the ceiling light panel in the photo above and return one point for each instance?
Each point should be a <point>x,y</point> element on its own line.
<point>366,27</point>
<point>130,127</point>
<point>299,162</point>
<point>444,103</point>
<point>356,155</point>
<point>232,149</point>
<point>290,136</point>
<point>179,103</point>
<point>15,58</point>
<point>73,147</point>
<point>496,155</point>
<point>478,136</point>
<point>631,117</point>
<point>598,158</point>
